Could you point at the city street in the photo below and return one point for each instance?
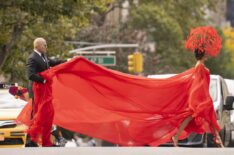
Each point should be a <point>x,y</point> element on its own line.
<point>119,151</point>
<point>102,77</point>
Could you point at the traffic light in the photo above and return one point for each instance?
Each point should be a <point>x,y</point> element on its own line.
<point>135,62</point>
<point>139,62</point>
<point>131,63</point>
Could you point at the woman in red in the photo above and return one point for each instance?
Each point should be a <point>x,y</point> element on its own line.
<point>203,41</point>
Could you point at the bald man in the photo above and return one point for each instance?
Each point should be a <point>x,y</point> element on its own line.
<point>38,62</point>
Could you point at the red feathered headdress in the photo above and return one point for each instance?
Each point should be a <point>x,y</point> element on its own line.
<point>206,39</point>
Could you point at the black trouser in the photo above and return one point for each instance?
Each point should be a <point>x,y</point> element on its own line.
<point>31,96</point>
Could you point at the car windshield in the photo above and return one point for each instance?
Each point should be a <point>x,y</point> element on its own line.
<point>7,101</point>
<point>213,89</point>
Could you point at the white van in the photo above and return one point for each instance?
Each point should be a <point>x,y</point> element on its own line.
<point>230,85</point>
<point>223,103</point>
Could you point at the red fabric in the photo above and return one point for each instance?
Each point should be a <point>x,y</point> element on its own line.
<point>120,108</point>
<point>204,38</point>
<point>40,128</point>
<point>24,116</point>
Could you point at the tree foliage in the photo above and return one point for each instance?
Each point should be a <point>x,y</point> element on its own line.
<point>223,64</point>
<point>163,22</point>
<point>229,39</point>
<point>167,24</point>
<point>55,20</point>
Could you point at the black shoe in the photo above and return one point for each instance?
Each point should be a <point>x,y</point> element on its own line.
<point>53,145</point>
<point>30,143</point>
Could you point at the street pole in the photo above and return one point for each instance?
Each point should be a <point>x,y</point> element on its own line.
<point>104,46</point>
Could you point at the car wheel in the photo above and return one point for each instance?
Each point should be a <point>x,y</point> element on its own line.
<point>226,135</point>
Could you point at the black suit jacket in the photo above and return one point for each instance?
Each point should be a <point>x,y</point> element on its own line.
<point>35,65</point>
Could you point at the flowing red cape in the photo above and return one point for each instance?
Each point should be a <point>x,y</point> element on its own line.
<point>121,108</point>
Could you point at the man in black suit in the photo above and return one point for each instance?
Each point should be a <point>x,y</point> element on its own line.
<point>38,62</point>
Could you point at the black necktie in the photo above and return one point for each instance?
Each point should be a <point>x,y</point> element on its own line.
<point>45,59</point>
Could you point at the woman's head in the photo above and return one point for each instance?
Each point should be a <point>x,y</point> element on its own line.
<point>199,55</point>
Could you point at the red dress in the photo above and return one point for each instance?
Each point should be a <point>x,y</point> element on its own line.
<point>121,108</point>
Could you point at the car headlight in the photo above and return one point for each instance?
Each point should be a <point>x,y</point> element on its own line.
<point>7,123</point>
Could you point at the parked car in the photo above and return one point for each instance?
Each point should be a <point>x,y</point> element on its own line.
<point>230,85</point>
<point>223,103</point>
<point>11,134</point>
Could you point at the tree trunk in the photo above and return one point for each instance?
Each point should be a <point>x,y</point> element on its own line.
<point>6,48</point>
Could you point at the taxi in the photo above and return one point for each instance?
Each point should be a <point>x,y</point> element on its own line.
<point>12,134</point>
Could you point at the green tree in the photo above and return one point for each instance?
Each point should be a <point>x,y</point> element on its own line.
<point>223,64</point>
<point>24,20</point>
<point>168,24</point>
<point>164,22</point>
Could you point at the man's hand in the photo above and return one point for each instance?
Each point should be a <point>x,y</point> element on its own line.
<point>68,59</point>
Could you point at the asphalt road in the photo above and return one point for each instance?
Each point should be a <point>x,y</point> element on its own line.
<point>118,151</point>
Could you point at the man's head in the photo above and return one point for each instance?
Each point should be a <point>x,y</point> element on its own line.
<point>40,45</point>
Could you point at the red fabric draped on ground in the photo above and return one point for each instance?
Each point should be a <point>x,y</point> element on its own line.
<point>121,108</point>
